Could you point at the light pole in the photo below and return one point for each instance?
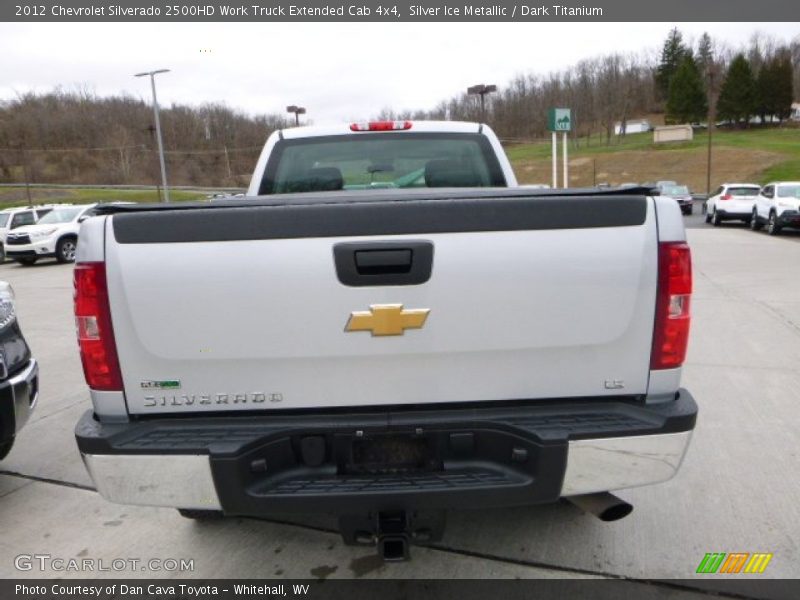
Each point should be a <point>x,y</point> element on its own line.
<point>481,90</point>
<point>297,110</point>
<point>712,118</point>
<point>152,75</point>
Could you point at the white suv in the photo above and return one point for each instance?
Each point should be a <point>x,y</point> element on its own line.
<point>11,218</point>
<point>732,201</point>
<point>777,206</point>
<point>55,235</point>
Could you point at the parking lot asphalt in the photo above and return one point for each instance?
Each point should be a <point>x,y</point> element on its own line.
<point>736,492</point>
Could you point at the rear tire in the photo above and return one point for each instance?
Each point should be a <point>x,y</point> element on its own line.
<point>755,225</point>
<point>200,514</point>
<point>708,217</point>
<point>27,261</point>
<point>65,249</point>
<point>2,254</point>
<point>716,220</point>
<point>5,448</point>
<point>773,227</point>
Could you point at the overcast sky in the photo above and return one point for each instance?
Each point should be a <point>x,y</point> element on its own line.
<point>338,71</point>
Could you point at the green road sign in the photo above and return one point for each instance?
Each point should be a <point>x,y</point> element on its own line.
<point>559,119</point>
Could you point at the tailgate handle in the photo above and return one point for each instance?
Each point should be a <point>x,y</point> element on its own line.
<point>406,262</point>
<point>374,262</point>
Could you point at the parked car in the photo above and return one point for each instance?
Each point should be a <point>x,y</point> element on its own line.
<point>12,218</point>
<point>19,373</point>
<point>404,347</point>
<point>732,201</point>
<point>777,206</point>
<point>681,195</point>
<point>54,235</point>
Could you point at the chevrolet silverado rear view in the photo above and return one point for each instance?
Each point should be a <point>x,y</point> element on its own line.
<point>384,328</point>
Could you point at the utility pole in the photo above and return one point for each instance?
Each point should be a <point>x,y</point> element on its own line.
<point>228,163</point>
<point>152,75</point>
<point>26,172</point>
<point>481,90</point>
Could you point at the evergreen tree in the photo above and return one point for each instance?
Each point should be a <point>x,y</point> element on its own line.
<point>673,52</point>
<point>774,86</point>
<point>765,91</point>
<point>783,80</point>
<point>687,97</point>
<point>705,52</point>
<point>738,98</point>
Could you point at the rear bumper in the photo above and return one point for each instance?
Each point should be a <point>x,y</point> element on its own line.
<point>474,457</point>
<point>789,218</point>
<point>18,396</point>
<point>735,213</point>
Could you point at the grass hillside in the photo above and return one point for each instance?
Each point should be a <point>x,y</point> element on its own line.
<point>757,155</point>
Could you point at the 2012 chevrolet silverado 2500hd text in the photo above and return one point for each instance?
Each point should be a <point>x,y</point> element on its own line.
<point>332,343</point>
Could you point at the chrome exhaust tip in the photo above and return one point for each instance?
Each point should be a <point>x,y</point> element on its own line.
<point>603,505</point>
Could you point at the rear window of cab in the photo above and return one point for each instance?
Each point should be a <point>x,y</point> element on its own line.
<point>381,160</point>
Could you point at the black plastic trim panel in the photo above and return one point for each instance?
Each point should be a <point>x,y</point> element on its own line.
<point>331,215</point>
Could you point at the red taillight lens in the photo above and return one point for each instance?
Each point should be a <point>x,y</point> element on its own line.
<point>381,126</point>
<point>726,197</point>
<point>95,332</point>
<point>671,334</point>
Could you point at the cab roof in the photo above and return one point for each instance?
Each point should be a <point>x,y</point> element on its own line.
<point>292,133</point>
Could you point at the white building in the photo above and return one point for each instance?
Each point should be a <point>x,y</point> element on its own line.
<point>795,116</point>
<point>673,133</point>
<point>639,126</point>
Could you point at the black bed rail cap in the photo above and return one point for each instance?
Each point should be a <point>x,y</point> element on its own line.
<point>378,195</point>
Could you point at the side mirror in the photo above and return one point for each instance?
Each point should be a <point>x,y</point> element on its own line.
<point>655,192</point>
<point>82,218</point>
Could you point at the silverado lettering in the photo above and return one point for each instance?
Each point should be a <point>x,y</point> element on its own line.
<point>190,399</point>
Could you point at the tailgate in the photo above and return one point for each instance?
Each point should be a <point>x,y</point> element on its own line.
<point>247,308</point>
<point>738,204</point>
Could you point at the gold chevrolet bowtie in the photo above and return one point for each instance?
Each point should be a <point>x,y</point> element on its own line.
<point>387,319</point>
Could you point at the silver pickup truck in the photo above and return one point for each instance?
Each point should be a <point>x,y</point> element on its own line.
<point>384,328</point>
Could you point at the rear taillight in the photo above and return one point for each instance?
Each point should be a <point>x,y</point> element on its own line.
<point>95,332</point>
<point>671,334</point>
<point>726,197</point>
<point>381,126</point>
